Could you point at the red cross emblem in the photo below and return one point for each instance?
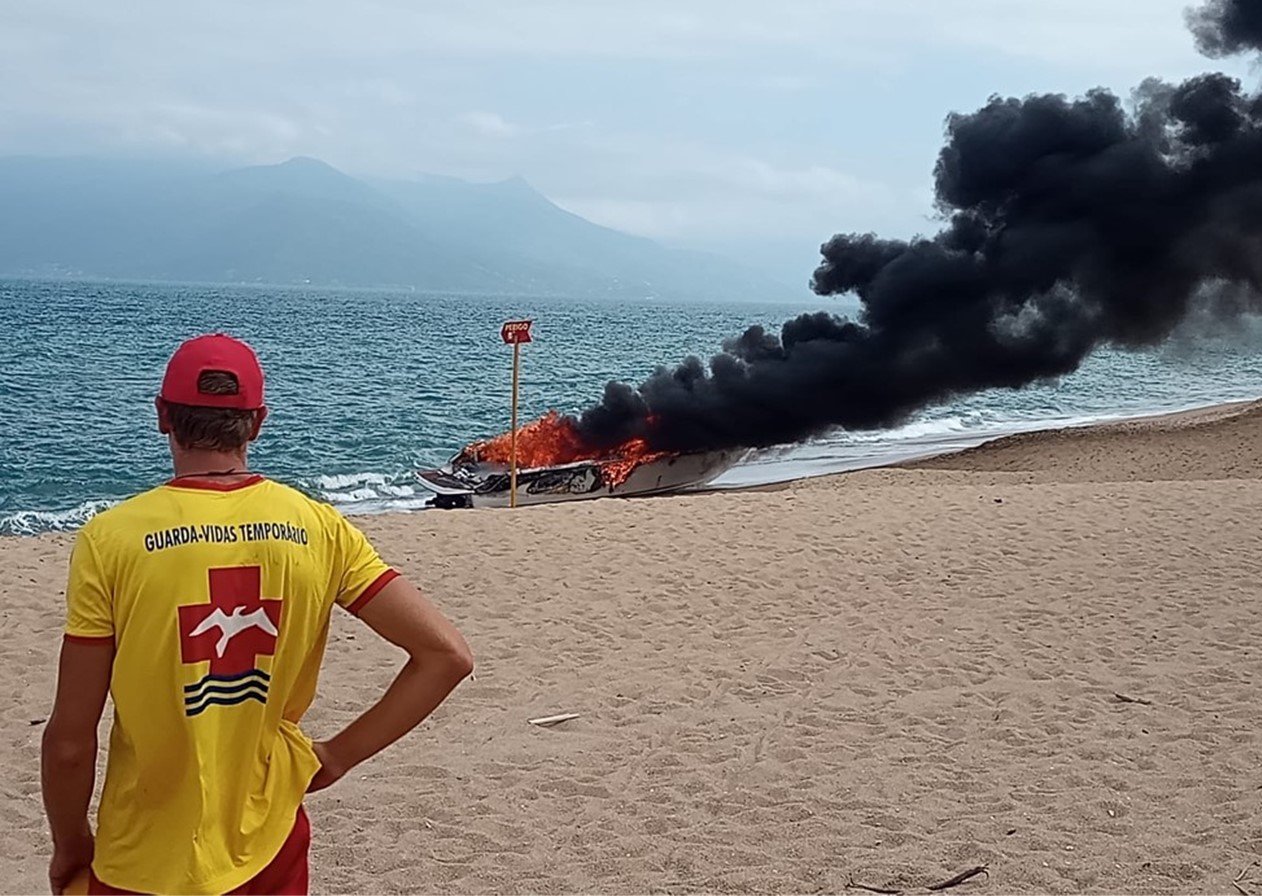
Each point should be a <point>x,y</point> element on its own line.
<point>235,628</point>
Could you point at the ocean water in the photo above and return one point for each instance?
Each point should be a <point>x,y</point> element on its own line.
<point>367,387</point>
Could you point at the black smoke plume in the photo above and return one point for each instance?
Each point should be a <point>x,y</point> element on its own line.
<point>1071,224</point>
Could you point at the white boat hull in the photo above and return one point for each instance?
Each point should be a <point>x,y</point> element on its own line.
<point>487,485</point>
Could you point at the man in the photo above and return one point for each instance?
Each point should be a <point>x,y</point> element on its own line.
<point>202,606</point>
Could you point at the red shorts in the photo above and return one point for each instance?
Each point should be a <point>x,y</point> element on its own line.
<point>286,874</point>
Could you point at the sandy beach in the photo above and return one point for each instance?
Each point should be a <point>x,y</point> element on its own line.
<point>1041,656</point>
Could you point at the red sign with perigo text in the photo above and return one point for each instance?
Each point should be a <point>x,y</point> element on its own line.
<point>516,332</point>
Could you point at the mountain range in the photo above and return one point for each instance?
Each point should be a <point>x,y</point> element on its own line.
<point>304,222</point>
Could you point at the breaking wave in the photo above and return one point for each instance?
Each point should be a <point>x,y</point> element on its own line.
<point>351,493</point>
<point>845,451</point>
<point>32,522</point>
<point>369,492</point>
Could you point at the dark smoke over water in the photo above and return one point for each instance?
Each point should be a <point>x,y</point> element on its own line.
<point>1071,224</point>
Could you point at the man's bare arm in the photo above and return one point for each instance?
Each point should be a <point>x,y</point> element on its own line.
<point>68,755</point>
<point>438,660</point>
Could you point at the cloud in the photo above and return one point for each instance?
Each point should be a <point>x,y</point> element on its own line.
<point>678,190</point>
<point>714,119</point>
<point>848,33</point>
<point>489,124</point>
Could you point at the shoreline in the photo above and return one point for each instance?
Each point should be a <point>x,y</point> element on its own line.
<point>1202,415</point>
<point>1196,415</point>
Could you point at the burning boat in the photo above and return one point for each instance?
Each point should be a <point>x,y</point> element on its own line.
<point>553,465</point>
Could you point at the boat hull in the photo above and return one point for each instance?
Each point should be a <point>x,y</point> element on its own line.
<point>488,485</point>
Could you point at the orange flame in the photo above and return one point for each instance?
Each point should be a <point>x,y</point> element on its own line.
<point>552,441</point>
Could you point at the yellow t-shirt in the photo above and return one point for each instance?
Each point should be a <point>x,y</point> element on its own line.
<point>218,598</point>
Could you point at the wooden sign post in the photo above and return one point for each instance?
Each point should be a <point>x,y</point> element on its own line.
<point>514,333</point>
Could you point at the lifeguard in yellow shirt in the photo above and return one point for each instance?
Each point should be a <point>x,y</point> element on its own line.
<point>202,607</point>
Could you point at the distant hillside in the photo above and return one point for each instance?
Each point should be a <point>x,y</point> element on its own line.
<point>305,222</point>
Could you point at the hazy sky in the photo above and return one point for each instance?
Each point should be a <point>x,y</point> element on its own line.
<point>746,125</point>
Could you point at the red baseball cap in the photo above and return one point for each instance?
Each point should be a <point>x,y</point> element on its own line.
<point>215,351</point>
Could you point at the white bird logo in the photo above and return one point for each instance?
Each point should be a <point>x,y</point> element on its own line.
<point>231,626</point>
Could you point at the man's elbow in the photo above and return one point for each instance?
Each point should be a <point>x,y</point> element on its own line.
<point>63,752</point>
<point>454,663</point>
<point>459,662</point>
